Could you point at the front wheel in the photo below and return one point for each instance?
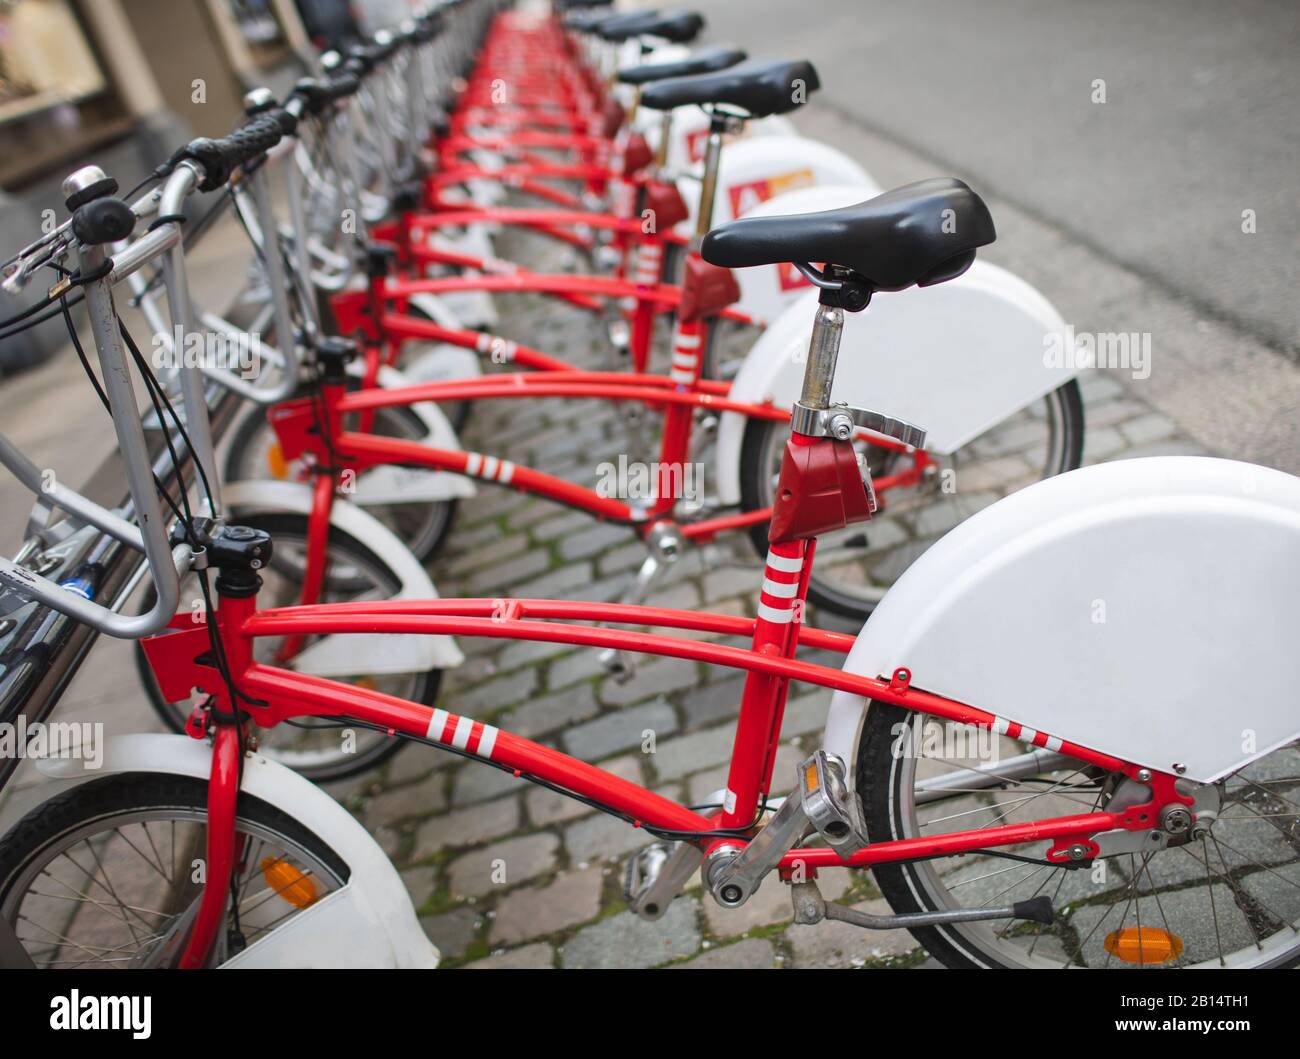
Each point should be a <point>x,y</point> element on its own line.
<point>104,875</point>
<point>856,566</point>
<point>1228,898</point>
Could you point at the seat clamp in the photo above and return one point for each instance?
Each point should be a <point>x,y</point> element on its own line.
<point>839,421</point>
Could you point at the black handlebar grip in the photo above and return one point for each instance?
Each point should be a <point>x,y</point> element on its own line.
<point>219,158</point>
<point>318,95</point>
<point>428,26</point>
<point>346,84</point>
<point>361,60</point>
<point>285,119</point>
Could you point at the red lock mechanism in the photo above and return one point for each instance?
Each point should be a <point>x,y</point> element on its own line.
<point>706,289</point>
<point>664,206</point>
<point>636,154</point>
<point>822,488</point>
<point>611,118</point>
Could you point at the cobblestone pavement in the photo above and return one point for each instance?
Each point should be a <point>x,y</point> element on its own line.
<point>506,874</point>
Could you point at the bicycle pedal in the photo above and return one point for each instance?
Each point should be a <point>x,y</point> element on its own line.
<point>640,872</point>
<point>831,807</point>
<point>656,874</point>
<point>620,336</point>
<point>617,665</point>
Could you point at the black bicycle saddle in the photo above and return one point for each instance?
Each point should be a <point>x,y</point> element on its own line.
<point>921,233</point>
<point>758,87</point>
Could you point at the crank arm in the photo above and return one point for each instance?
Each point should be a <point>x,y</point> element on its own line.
<point>732,877</point>
<point>820,802</point>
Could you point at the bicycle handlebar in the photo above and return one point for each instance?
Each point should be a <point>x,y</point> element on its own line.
<point>319,96</point>
<point>220,158</point>
<point>97,223</point>
<point>205,165</point>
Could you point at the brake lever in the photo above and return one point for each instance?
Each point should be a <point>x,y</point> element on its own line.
<point>18,270</point>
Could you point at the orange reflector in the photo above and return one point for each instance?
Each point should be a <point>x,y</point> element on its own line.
<point>1144,945</point>
<point>295,886</point>
<point>810,777</point>
<point>276,462</point>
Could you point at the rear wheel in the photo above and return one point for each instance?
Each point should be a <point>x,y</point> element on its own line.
<point>321,750</point>
<point>103,875</point>
<point>1231,898</point>
<point>856,566</point>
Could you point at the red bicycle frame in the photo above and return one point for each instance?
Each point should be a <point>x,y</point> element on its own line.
<point>271,695</point>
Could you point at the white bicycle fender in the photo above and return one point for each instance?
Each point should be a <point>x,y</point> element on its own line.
<point>344,654</point>
<point>955,359</point>
<point>452,362</point>
<point>436,310</point>
<point>368,922</point>
<point>1143,608</point>
<point>483,191</point>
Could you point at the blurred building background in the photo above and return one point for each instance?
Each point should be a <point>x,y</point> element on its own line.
<point>123,83</point>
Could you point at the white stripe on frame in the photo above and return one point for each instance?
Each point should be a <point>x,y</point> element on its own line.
<point>781,563</point>
<point>779,617</point>
<point>436,724</point>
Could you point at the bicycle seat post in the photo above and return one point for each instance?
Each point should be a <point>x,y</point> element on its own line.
<point>840,293</point>
<point>823,354</point>
<point>665,138</point>
<point>719,123</point>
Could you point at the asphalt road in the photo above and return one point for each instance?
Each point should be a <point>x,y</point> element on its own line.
<point>1201,121</point>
